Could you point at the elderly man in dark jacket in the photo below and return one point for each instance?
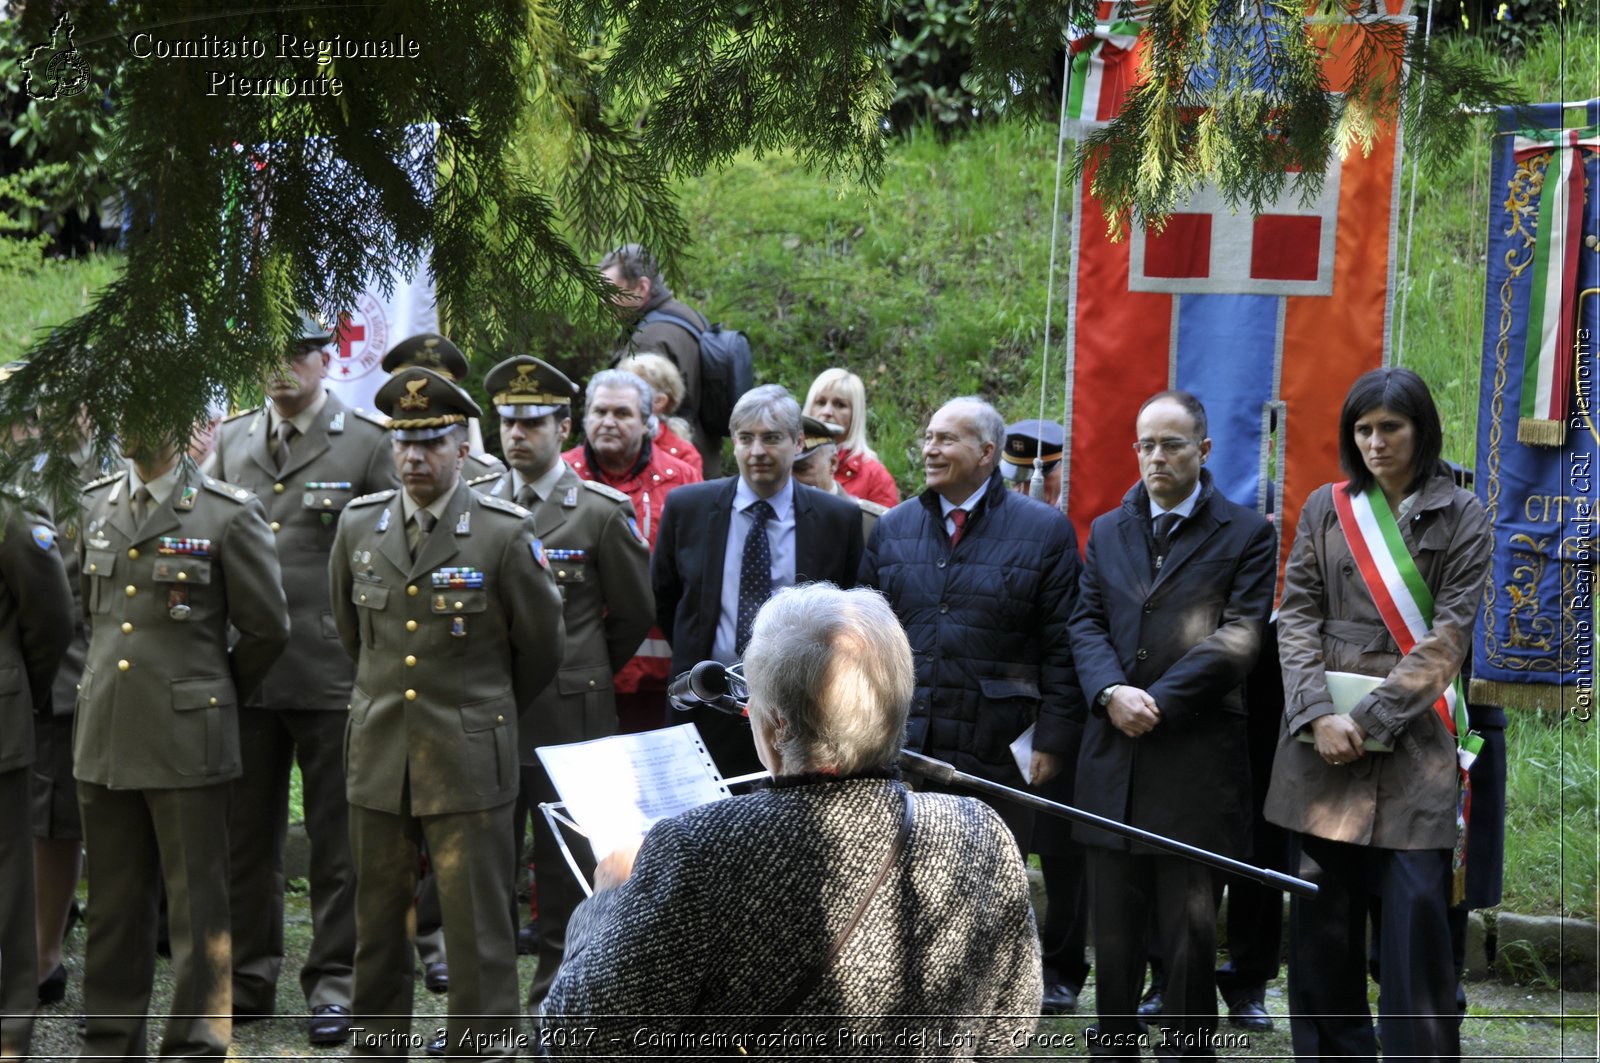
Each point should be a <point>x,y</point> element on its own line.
<point>1176,590</point>
<point>984,581</point>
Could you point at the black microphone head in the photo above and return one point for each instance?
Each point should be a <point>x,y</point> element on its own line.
<point>708,680</point>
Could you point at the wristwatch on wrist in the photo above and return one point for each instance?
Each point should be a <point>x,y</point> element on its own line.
<point>1104,697</point>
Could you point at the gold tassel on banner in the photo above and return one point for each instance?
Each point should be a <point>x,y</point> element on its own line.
<point>1550,697</point>
<point>1539,432</point>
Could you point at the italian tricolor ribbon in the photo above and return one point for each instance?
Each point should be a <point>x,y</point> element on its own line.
<point>1547,351</point>
<point>1406,605</point>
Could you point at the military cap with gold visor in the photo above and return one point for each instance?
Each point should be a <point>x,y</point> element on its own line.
<point>815,434</point>
<point>422,404</point>
<point>523,388</point>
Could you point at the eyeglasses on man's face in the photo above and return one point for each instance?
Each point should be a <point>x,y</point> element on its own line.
<point>1170,447</point>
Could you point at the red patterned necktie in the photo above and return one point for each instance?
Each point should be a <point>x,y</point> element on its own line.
<point>958,517</point>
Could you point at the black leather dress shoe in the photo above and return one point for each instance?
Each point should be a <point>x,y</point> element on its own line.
<point>1249,1015</point>
<point>1058,1000</point>
<point>329,1024</point>
<point>1150,1008</point>
<point>436,1047</point>
<point>528,939</point>
<point>436,977</point>
<point>53,990</point>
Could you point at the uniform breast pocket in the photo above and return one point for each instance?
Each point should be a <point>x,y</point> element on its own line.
<point>323,504</point>
<point>192,570</point>
<point>456,611</point>
<point>369,599</point>
<point>100,566</point>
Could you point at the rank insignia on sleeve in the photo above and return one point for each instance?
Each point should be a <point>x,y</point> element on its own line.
<point>633,526</point>
<point>43,537</point>
<point>538,553</point>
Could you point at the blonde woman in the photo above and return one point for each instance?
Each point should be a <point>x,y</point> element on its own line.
<point>838,397</point>
<point>670,433</point>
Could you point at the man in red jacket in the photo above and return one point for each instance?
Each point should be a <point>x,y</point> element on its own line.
<point>617,452</point>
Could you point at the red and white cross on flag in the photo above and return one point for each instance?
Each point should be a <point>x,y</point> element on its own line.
<point>1207,247</point>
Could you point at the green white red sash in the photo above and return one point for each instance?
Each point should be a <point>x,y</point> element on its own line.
<point>1406,605</point>
<point>1547,351</point>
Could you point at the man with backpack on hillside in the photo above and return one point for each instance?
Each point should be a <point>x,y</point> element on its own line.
<point>715,362</point>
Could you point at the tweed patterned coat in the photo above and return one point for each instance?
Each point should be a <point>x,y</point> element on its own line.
<point>732,905</point>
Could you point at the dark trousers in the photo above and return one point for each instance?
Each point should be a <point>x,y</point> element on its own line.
<point>1065,932</point>
<point>472,860</point>
<point>1124,891</point>
<point>1255,939</point>
<point>555,888</point>
<point>19,971</point>
<point>138,839</point>
<point>270,742</point>
<point>1408,894</point>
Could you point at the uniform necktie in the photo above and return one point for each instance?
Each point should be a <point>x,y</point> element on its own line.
<point>1162,530</point>
<point>141,505</point>
<point>755,572</point>
<point>286,433</point>
<point>958,517</point>
<point>528,498</point>
<point>421,524</point>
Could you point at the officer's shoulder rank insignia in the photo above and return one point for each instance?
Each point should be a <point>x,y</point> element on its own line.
<point>13,491</point>
<point>43,537</point>
<point>237,495</point>
<point>539,557</point>
<point>376,496</point>
<point>104,481</point>
<point>373,416</point>
<point>485,478</point>
<point>241,415</point>
<point>606,491</point>
<point>867,505</point>
<point>496,502</point>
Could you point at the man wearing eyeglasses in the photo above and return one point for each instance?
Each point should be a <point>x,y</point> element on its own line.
<point>1176,590</point>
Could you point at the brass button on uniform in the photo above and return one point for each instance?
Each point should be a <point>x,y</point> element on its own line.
<point>411,662</point>
<point>277,489</point>
<point>411,625</point>
<point>276,526</point>
<point>411,695</point>
<point>459,604</point>
<point>183,575</point>
<point>213,701</point>
<point>94,568</point>
<point>127,627</point>
<point>499,719</point>
<point>123,665</point>
<point>130,590</point>
<point>412,590</point>
<point>561,573</point>
<point>133,553</point>
<point>327,501</point>
<point>362,598</point>
<point>591,684</point>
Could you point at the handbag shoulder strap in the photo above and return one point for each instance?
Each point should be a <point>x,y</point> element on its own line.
<point>810,981</point>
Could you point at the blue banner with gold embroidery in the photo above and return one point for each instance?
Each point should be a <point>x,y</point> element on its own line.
<point>1535,645</point>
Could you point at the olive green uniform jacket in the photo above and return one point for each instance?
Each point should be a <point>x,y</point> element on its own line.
<point>602,565</point>
<point>441,670</point>
<point>344,456</point>
<point>35,628</point>
<point>158,703</point>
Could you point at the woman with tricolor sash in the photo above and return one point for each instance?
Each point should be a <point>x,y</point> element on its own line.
<point>1379,599</point>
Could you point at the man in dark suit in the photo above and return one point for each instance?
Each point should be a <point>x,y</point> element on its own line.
<point>726,545</point>
<point>304,455</point>
<point>602,565</point>
<point>1176,590</point>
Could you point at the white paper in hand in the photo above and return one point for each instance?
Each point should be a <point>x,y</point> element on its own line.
<point>1022,750</point>
<point>617,788</point>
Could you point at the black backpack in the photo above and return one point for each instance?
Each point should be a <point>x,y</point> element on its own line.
<point>727,370</point>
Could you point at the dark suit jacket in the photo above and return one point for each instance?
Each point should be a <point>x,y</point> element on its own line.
<point>686,571</point>
<point>687,568</point>
<point>1189,637</point>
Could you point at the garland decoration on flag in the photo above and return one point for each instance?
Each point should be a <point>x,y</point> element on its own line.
<point>1547,384</point>
<point>1406,605</point>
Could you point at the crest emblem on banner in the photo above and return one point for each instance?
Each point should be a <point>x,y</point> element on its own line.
<point>362,340</point>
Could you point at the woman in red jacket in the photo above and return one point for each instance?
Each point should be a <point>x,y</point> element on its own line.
<point>839,397</point>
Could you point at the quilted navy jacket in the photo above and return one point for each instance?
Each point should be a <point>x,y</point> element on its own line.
<point>987,622</point>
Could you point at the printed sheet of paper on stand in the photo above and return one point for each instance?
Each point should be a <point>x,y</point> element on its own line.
<point>616,788</point>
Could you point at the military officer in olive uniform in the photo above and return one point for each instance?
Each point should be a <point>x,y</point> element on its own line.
<point>816,462</point>
<point>305,456</point>
<point>429,350</point>
<point>444,598</point>
<point>186,615</point>
<point>36,625</point>
<point>602,565</point>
